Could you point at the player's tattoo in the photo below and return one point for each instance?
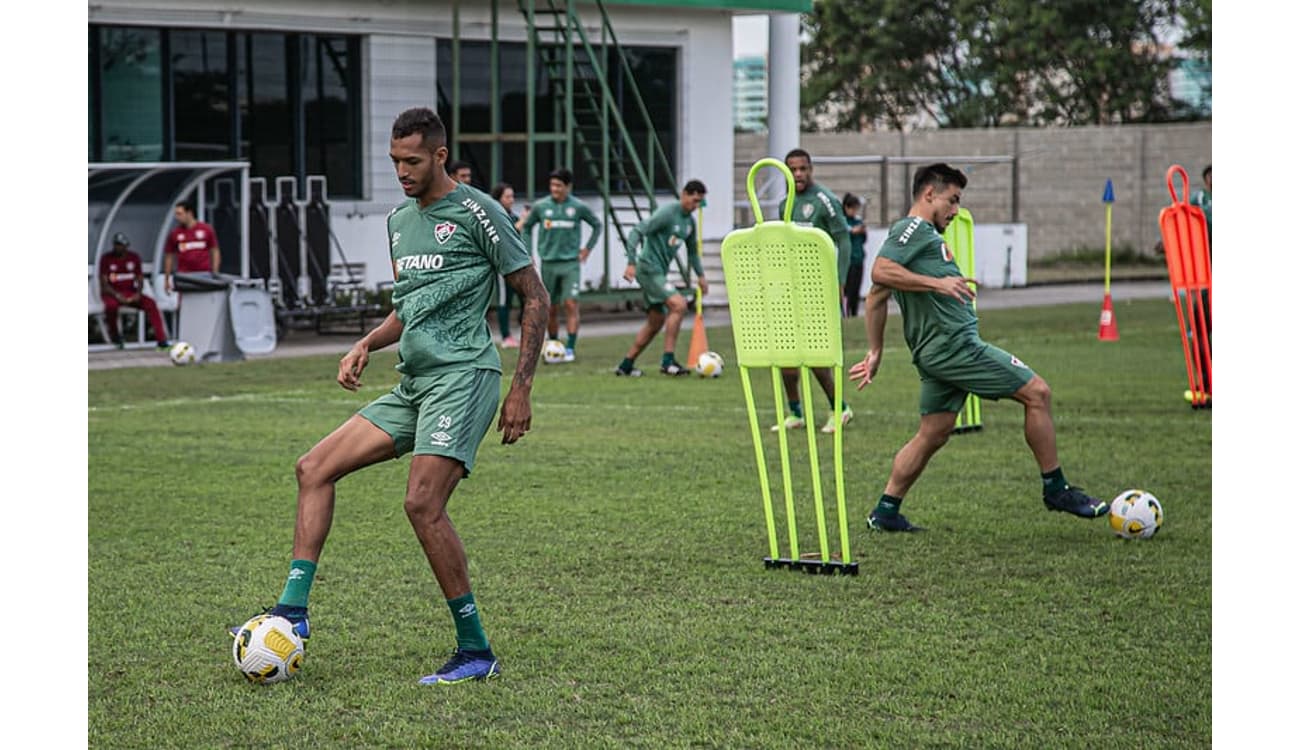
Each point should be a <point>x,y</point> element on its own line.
<point>537,302</point>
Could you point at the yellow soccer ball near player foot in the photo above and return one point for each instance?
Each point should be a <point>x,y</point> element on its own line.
<point>1136,514</point>
<point>709,365</point>
<point>268,650</point>
<point>553,352</point>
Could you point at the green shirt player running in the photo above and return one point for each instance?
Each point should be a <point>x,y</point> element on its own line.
<point>659,237</point>
<point>559,219</point>
<point>449,242</point>
<point>815,206</point>
<point>917,268</point>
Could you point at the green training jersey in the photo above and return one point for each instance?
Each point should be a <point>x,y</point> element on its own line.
<point>1201,199</point>
<point>446,258</point>
<point>560,235</point>
<point>663,233</point>
<point>931,322</point>
<point>817,207</point>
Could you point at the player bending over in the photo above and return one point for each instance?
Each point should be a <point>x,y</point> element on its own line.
<point>939,323</point>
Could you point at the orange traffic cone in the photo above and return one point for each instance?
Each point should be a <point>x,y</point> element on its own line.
<point>699,337</point>
<point>1108,330</point>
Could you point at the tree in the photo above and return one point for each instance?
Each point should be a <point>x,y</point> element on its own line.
<point>985,63</point>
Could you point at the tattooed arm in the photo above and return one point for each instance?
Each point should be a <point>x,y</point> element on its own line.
<point>517,412</point>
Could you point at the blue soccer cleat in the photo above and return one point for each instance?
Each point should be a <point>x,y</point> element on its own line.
<point>295,615</point>
<point>1072,500</point>
<point>464,666</point>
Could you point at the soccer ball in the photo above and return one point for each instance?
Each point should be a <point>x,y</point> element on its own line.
<point>1136,514</point>
<point>709,365</point>
<point>181,353</point>
<point>267,650</point>
<point>553,352</point>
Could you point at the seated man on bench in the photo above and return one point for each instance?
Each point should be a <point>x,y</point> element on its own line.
<point>121,278</point>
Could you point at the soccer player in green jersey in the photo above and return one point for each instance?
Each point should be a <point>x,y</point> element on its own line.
<point>559,244</point>
<point>663,233</point>
<point>815,206</point>
<point>448,242</point>
<point>917,268</point>
<point>1201,199</point>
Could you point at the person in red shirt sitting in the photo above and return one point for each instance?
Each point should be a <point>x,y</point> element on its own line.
<point>121,278</point>
<point>191,247</point>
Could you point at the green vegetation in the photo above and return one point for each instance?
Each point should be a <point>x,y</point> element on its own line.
<point>616,553</point>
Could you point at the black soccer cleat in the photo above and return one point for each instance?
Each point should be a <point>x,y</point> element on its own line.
<point>896,522</point>
<point>674,368</point>
<point>1072,500</point>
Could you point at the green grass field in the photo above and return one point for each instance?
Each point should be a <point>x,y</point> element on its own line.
<point>616,552</point>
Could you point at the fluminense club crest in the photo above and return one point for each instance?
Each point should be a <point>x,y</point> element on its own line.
<point>443,231</point>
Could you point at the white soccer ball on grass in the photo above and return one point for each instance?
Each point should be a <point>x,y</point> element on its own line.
<point>553,352</point>
<point>1136,514</point>
<point>709,365</point>
<point>182,353</point>
<point>268,650</point>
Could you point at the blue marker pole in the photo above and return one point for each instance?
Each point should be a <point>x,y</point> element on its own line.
<point>1108,330</point>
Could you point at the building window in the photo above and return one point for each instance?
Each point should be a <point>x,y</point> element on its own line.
<point>290,104</point>
<point>655,71</point>
<point>129,93</point>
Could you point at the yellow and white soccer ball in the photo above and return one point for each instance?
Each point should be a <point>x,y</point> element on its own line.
<point>553,352</point>
<point>709,365</point>
<point>182,353</point>
<point>1136,514</point>
<point>267,650</point>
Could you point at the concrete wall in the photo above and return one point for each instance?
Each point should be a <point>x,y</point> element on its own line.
<point>1062,175</point>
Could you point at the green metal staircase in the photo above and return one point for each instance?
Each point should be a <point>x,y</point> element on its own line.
<point>617,147</point>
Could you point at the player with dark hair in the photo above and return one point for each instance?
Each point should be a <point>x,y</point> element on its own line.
<point>815,206</point>
<point>662,233</point>
<point>448,243</point>
<point>559,244</point>
<point>191,247</point>
<point>121,284</point>
<point>461,172</point>
<point>857,253</point>
<point>939,324</point>
<point>504,193</point>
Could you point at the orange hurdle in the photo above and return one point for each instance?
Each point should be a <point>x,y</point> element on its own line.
<point>1187,255</point>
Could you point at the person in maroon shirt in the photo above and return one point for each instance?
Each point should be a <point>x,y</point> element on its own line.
<point>191,247</point>
<point>121,278</point>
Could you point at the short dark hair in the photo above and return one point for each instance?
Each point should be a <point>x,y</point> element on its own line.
<point>561,174</point>
<point>188,205</point>
<point>421,120</point>
<point>798,152</point>
<point>939,175</point>
<point>696,187</point>
<point>1205,172</point>
<point>500,189</point>
<point>851,200</point>
<point>458,165</point>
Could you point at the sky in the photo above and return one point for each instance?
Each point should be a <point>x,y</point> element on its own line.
<point>749,35</point>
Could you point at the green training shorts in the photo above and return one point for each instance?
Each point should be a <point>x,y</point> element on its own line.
<point>562,279</point>
<point>974,366</point>
<point>439,415</point>
<point>655,288</point>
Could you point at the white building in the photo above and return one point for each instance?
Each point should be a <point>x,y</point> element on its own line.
<point>305,91</point>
